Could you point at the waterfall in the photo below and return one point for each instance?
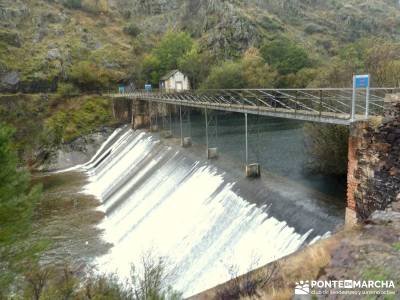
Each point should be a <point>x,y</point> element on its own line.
<point>156,197</point>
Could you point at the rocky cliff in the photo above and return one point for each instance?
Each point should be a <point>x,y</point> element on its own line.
<point>40,40</point>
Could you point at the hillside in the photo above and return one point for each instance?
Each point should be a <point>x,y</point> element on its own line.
<point>43,42</point>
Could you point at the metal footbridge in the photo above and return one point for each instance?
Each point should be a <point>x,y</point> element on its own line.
<point>328,105</point>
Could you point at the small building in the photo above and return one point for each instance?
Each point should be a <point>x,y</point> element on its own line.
<point>174,80</point>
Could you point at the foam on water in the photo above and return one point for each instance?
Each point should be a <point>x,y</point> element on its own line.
<point>154,197</point>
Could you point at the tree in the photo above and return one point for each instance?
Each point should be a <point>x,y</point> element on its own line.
<point>228,75</point>
<point>379,58</point>
<point>165,56</point>
<point>249,72</point>
<point>195,65</point>
<point>285,56</point>
<point>89,76</point>
<point>257,73</point>
<point>327,146</point>
<point>17,199</point>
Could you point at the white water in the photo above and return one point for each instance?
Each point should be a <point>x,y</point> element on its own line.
<point>156,198</point>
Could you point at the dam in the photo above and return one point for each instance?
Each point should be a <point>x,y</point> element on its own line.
<point>202,216</point>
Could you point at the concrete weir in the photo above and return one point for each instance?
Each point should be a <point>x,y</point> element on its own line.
<point>373,179</point>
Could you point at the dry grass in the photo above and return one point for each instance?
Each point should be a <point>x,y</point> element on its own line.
<point>307,264</point>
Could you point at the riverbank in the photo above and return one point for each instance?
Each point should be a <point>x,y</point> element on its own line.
<point>369,251</point>
<point>53,131</point>
<point>63,233</point>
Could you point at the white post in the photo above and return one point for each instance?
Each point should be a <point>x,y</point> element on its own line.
<point>367,98</point>
<point>205,111</point>
<point>180,118</point>
<point>247,153</point>
<point>353,102</point>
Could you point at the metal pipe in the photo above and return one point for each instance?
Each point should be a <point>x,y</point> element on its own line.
<point>245,126</point>
<point>180,117</point>
<point>367,103</point>
<point>205,112</point>
<point>353,101</point>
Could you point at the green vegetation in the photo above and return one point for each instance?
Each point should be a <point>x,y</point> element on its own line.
<point>89,76</point>
<point>67,90</point>
<point>65,283</point>
<point>378,274</point>
<point>165,56</point>
<point>396,246</point>
<point>73,3</point>
<point>67,124</point>
<point>132,29</point>
<point>327,145</point>
<point>43,122</point>
<point>249,72</point>
<point>17,202</point>
<point>285,56</point>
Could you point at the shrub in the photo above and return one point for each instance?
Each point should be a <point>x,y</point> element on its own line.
<point>249,72</point>
<point>89,76</point>
<point>67,90</point>
<point>314,28</point>
<point>327,146</point>
<point>229,75</point>
<point>75,4</point>
<point>286,56</point>
<point>132,29</point>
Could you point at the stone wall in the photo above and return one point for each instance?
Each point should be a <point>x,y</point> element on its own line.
<point>374,162</point>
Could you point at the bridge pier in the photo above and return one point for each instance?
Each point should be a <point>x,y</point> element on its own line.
<point>186,141</point>
<point>166,116</point>
<point>373,178</point>
<point>254,169</point>
<point>212,152</point>
<point>140,115</point>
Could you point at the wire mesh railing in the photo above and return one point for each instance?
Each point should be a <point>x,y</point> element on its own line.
<point>329,104</point>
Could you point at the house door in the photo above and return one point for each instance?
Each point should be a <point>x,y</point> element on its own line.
<point>179,86</point>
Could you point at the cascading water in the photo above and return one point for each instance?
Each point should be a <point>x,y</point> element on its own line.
<point>156,197</point>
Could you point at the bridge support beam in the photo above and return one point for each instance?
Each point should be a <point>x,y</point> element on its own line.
<point>166,115</point>
<point>254,169</point>
<point>140,116</point>
<point>186,141</point>
<point>212,153</point>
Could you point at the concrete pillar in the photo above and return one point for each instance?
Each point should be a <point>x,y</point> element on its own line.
<point>166,134</point>
<point>253,170</point>
<point>186,142</point>
<point>141,118</point>
<point>212,153</point>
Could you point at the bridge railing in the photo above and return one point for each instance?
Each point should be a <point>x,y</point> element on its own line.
<point>316,103</point>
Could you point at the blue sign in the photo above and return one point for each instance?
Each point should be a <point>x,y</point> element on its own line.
<point>361,81</point>
<point>147,87</point>
<point>121,89</point>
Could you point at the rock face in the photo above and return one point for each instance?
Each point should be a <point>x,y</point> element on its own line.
<point>9,81</point>
<point>374,162</point>
<point>77,152</point>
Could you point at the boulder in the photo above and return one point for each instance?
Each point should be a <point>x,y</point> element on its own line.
<point>9,81</point>
<point>53,54</point>
<point>10,38</point>
<point>385,217</point>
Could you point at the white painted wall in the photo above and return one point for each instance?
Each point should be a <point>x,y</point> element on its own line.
<point>177,81</point>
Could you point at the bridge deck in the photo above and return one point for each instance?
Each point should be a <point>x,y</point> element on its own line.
<point>332,106</point>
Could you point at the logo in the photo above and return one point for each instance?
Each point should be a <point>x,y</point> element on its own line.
<point>302,288</point>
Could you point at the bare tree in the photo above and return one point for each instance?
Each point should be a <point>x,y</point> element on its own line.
<point>37,279</point>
